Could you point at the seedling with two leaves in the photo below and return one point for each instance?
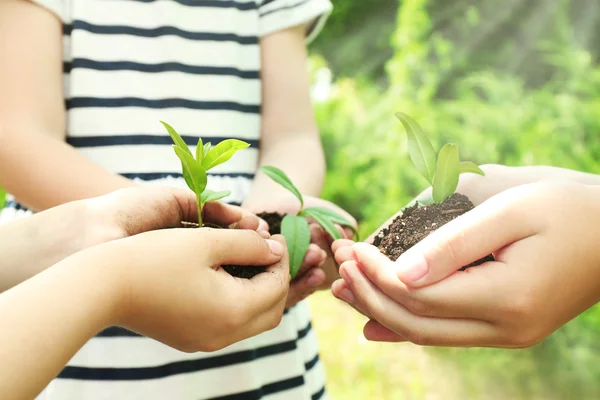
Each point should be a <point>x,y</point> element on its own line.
<point>207,157</point>
<point>441,171</point>
<point>295,227</point>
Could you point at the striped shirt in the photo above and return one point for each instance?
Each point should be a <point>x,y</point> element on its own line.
<point>195,64</point>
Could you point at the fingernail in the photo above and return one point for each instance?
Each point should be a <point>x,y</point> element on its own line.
<point>347,295</point>
<point>276,247</point>
<point>411,267</point>
<point>344,275</point>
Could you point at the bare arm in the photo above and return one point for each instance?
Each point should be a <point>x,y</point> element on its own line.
<point>290,139</point>
<point>36,165</point>
<point>52,314</point>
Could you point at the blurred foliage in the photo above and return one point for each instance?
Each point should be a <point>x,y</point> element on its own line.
<point>2,198</point>
<point>528,94</point>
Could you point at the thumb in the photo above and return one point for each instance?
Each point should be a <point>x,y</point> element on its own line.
<point>487,228</point>
<point>243,247</point>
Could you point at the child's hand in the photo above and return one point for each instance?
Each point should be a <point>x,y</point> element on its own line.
<point>544,237</point>
<point>319,269</point>
<point>169,285</point>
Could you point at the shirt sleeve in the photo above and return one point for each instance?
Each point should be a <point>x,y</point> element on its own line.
<point>276,15</point>
<point>60,8</point>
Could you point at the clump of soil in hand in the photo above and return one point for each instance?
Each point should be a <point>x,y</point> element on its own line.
<point>274,221</point>
<point>416,223</point>
<point>247,272</point>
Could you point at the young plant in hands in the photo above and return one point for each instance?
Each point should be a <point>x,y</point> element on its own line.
<point>295,228</point>
<point>420,219</point>
<point>207,157</point>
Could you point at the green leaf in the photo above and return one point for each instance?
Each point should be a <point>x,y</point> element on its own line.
<point>468,166</point>
<point>209,195</point>
<point>420,149</point>
<point>322,220</point>
<point>2,198</point>
<point>178,140</point>
<point>280,177</point>
<point>446,174</point>
<point>199,151</point>
<point>206,149</point>
<point>196,179</point>
<point>297,235</point>
<point>223,152</point>
<point>334,217</point>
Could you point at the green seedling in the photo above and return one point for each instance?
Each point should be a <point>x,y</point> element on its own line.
<point>441,171</point>
<point>207,157</point>
<point>294,227</point>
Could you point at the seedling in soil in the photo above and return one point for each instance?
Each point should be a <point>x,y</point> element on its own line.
<point>442,172</point>
<point>294,227</point>
<point>207,157</point>
<point>195,175</point>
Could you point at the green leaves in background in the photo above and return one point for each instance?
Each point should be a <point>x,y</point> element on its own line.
<point>446,174</point>
<point>222,152</point>
<point>280,177</point>
<point>2,198</point>
<point>297,235</point>
<point>468,166</point>
<point>420,148</point>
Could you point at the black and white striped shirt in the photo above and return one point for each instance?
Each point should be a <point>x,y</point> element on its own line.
<point>195,64</point>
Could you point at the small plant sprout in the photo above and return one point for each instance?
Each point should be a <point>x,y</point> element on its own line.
<point>207,157</point>
<point>295,227</point>
<point>441,171</point>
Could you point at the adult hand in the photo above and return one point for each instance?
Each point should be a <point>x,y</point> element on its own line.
<point>544,238</point>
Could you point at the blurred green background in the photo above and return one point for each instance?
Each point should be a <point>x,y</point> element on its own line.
<point>514,82</point>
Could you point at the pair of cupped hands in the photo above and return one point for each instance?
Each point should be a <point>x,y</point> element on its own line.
<point>166,281</point>
<point>542,226</point>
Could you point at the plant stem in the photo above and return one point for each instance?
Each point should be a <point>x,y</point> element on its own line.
<point>199,203</point>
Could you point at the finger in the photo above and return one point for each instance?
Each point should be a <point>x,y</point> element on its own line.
<point>313,258</point>
<point>223,214</point>
<point>376,332</point>
<point>344,254</point>
<point>342,291</point>
<point>251,222</point>
<point>305,286</point>
<point>265,290</point>
<point>465,294</point>
<point>240,247</point>
<point>416,329</point>
<point>468,238</point>
<point>259,321</point>
<point>338,244</point>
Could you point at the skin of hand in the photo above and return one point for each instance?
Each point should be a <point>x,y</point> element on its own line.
<point>319,269</point>
<point>544,238</point>
<point>54,234</point>
<point>165,284</point>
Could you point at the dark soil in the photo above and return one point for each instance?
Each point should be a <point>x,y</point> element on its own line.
<point>247,272</point>
<point>416,223</point>
<point>274,221</point>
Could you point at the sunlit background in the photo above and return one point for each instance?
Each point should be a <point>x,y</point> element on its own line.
<point>513,82</point>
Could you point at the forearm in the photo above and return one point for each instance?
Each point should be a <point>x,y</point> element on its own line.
<point>301,158</point>
<point>30,245</point>
<point>47,319</point>
<point>50,172</point>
